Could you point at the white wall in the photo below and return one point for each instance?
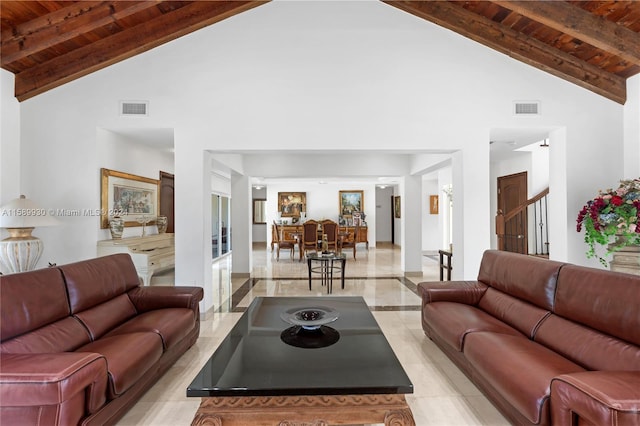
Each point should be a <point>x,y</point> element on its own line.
<point>383,213</point>
<point>632,128</point>
<point>9,140</point>
<point>320,76</point>
<point>431,231</point>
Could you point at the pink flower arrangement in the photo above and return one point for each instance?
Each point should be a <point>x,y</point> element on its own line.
<point>612,219</point>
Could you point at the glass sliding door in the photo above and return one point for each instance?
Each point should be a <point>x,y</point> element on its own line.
<point>225,225</point>
<point>220,225</point>
<point>215,225</point>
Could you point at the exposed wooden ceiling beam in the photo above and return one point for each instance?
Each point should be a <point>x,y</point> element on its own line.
<point>62,25</point>
<point>578,23</point>
<point>117,47</point>
<point>518,46</point>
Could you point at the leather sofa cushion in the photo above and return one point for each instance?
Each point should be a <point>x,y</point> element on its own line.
<point>62,336</point>
<point>518,368</point>
<point>46,302</point>
<point>523,316</point>
<point>106,316</point>
<point>525,277</point>
<point>604,300</point>
<point>453,321</point>
<point>94,281</point>
<point>171,324</point>
<point>587,347</point>
<point>129,356</point>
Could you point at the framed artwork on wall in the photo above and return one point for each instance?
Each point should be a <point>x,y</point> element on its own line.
<point>433,204</point>
<point>128,196</point>
<point>291,204</point>
<point>350,202</point>
<point>396,206</point>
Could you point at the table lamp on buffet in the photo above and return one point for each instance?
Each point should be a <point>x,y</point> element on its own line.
<point>21,251</point>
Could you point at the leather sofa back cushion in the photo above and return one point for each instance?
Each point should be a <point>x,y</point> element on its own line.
<point>523,316</point>
<point>525,277</point>
<point>95,281</point>
<point>31,300</point>
<point>65,335</point>
<point>587,347</point>
<point>604,300</point>
<point>106,316</point>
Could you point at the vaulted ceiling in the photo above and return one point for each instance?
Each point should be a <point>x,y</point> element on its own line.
<point>594,44</point>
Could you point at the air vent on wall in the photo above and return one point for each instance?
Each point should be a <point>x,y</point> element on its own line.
<point>526,108</point>
<point>134,108</point>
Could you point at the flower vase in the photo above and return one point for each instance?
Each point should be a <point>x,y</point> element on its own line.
<point>626,257</point>
<point>161,222</point>
<point>116,227</point>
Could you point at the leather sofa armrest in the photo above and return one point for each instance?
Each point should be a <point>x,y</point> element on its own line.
<point>467,292</point>
<point>51,379</point>
<point>596,397</point>
<point>151,298</point>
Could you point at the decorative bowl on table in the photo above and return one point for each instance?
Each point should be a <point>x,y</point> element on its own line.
<point>310,318</point>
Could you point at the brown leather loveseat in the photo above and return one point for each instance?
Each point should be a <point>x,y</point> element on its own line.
<point>80,343</point>
<point>546,342</point>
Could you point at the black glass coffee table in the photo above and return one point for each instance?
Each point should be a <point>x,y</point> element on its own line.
<point>303,360</point>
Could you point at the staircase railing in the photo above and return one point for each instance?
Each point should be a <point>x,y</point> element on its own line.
<point>532,214</point>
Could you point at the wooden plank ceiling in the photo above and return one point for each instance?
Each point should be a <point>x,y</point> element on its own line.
<point>594,44</point>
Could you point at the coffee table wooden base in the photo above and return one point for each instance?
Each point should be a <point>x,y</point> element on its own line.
<point>391,409</point>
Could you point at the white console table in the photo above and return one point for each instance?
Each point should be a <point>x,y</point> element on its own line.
<point>150,254</point>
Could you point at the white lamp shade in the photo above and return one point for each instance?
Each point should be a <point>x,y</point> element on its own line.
<point>24,213</point>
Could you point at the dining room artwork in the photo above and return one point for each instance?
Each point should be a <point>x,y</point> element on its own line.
<point>292,204</point>
<point>351,201</point>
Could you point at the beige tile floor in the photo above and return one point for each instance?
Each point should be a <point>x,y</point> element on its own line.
<point>442,394</point>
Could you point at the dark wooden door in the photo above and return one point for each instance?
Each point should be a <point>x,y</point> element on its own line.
<point>393,223</point>
<point>512,192</point>
<point>167,199</point>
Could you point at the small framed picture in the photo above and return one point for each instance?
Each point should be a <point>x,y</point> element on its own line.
<point>396,206</point>
<point>433,204</point>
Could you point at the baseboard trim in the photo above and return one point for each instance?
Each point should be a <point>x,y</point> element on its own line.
<point>205,316</point>
<point>240,275</point>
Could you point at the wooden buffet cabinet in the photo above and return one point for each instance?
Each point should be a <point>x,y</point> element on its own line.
<point>288,232</point>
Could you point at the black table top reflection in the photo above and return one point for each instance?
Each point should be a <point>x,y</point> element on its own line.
<point>255,360</point>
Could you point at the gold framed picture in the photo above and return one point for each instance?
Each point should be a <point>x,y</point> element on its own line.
<point>350,202</point>
<point>291,204</point>
<point>128,196</point>
<point>396,206</point>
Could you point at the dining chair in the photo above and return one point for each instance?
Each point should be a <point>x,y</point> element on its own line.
<point>282,244</point>
<point>310,236</point>
<point>352,243</point>
<point>330,229</point>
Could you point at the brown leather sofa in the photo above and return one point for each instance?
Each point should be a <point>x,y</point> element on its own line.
<point>546,342</point>
<point>81,343</point>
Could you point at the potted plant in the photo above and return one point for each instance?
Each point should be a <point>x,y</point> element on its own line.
<point>611,219</point>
